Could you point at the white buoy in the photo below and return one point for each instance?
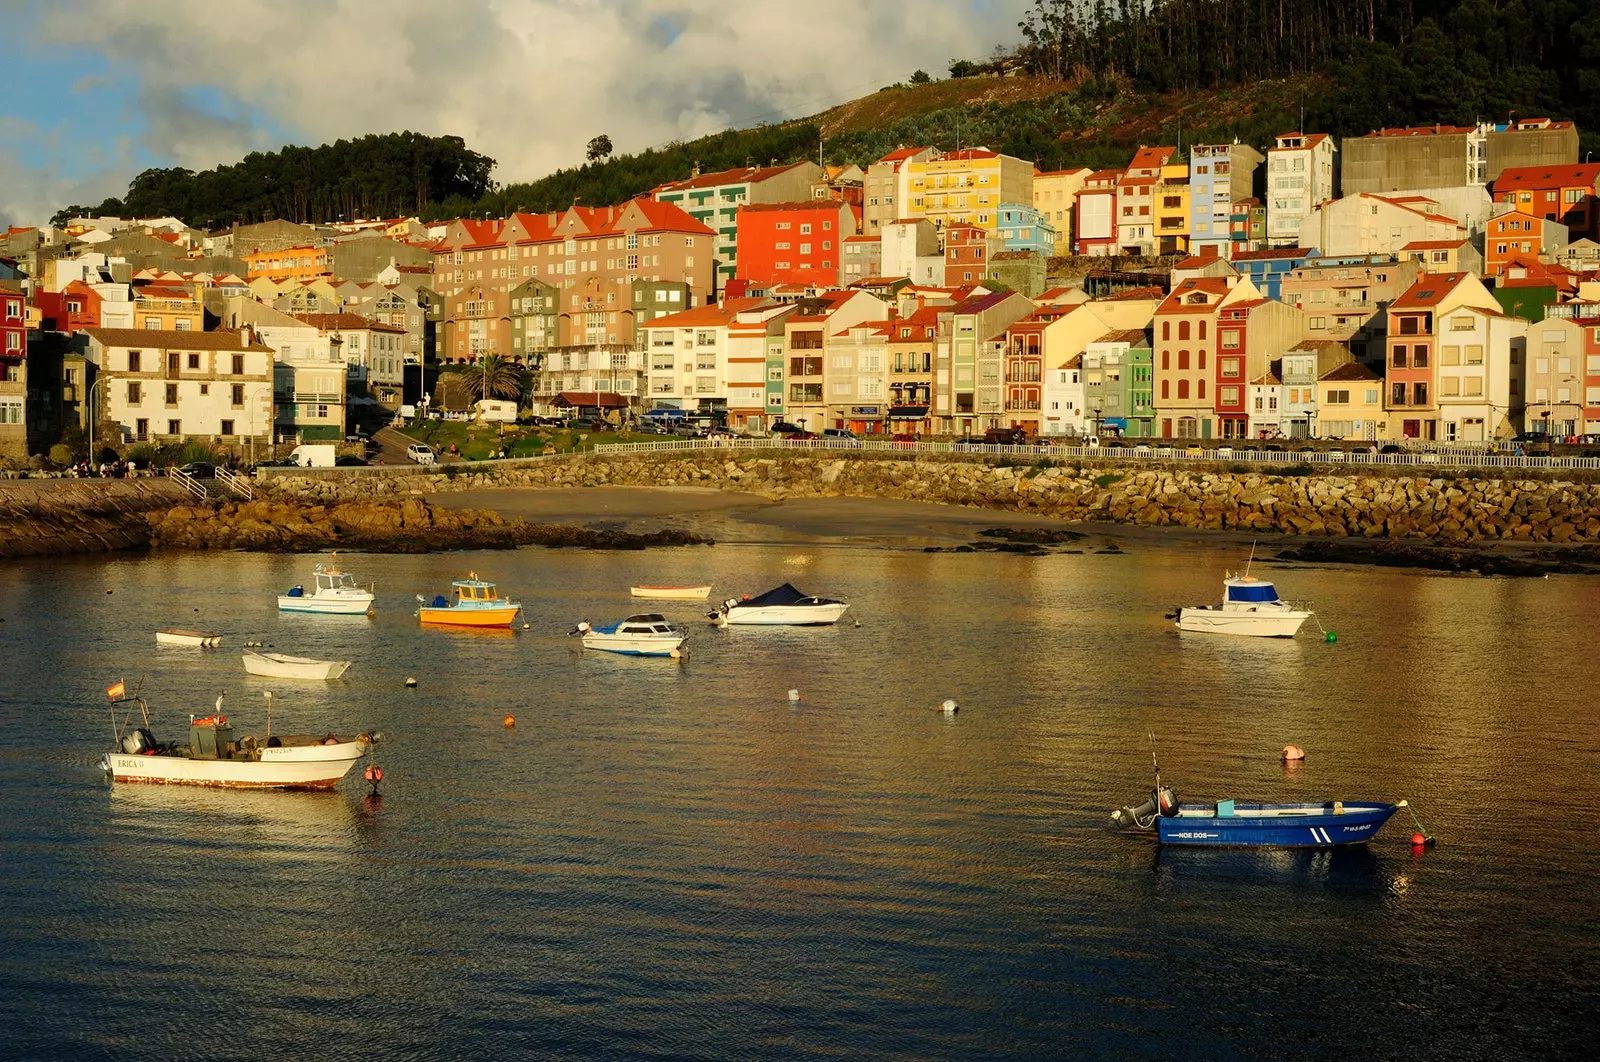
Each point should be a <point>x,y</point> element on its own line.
<point>949,707</point>
<point>411,683</point>
<point>794,695</point>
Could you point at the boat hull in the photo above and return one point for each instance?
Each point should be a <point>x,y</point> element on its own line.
<point>468,617</point>
<point>672,593</point>
<point>296,767</point>
<point>1241,624</point>
<point>189,639</point>
<point>784,615</point>
<point>634,646</point>
<point>309,670</point>
<point>323,606</point>
<point>1297,826</point>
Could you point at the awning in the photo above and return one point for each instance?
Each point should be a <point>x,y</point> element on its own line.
<point>907,412</point>
<point>1115,422</point>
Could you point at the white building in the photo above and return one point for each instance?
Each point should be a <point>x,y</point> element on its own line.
<point>1301,176</point>
<point>1264,398</point>
<point>309,377</point>
<point>1063,411</point>
<point>905,244</point>
<point>168,386</point>
<point>689,355</point>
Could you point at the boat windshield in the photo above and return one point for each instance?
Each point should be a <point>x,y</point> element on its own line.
<point>476,591</point>
<point>329,580</point>
<point>1252,591</point>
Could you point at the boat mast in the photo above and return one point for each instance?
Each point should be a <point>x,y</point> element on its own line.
<point>1252,559</point>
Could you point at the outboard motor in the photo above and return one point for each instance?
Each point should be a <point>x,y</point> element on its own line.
<point>1162,801</point>
<point>138,742</point>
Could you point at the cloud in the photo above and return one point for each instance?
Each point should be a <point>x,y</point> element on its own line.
<point>525,81</point>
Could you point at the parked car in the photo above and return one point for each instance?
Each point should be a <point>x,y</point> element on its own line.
<point>1224,453</point>
<point>422,454</point>
<point>903,439</point>
<point>349,462</point>
<point>1006,437</point>
<point>783,427</point>
<point>199,470</point>
<point>797,436</point>
<point>842,436</point>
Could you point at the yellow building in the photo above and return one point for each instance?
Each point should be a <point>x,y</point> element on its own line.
<point>1053,196</point>
<point>168,306</point>
<point>967,187</point>
<point>1171,202</point>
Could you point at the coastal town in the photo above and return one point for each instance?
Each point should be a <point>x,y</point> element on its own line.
<point>1412,286</point>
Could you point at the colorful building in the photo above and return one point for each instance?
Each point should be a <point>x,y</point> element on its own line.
<point>1023,228</point>
<point>13,370</point>
<point>798,243</point>
<point>1514,234</point>
<point>1565,194</point>
<point>1253,333</point>
<point>1095,214</point>
<point>714,199</point>
<point>1350,404</point>
<point>169,386</point>
<point>912,345</point>
<point>1137,200</point>
<point>967,250</point>
<point>974,365</point>
<point>1267,269</point>
<point>967,187</point>
<point>888,188</point>
<point>1055,195</point>
<point>290,263</point>
<point>1220,175</point>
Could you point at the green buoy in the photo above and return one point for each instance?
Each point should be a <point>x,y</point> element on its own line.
<point>1332,637</point>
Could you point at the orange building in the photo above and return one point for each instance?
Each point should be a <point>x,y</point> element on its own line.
<point>291,263</point>
<point>1567,194</point>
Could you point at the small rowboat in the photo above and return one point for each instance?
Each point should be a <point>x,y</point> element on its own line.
<point>192,639</point>
<point>672,593</point>
<point>281,665</point>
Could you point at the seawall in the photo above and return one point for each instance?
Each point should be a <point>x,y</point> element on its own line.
<point>1399,506</point>
<point>43,517</point>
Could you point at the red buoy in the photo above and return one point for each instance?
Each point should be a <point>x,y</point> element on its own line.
<point>373,774</point>
<point>1418,840</point>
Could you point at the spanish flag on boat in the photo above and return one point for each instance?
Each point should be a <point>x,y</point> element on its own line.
<point>117,691</point>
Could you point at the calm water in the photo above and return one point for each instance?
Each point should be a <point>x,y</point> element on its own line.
<point>668,860</point>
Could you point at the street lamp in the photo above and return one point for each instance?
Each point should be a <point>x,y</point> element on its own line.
<point>99,379</point>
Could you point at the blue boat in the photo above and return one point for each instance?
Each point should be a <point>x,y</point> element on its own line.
<point>1227,824</point>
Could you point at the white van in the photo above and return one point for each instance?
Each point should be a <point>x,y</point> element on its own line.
<point>314,455</point>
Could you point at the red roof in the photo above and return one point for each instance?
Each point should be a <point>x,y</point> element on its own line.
<point>1432,245</point>
<point>1548,177</point>
<point>1175,303</point>
<point>901,155</point>
<point>1429,290</point>
<point>710,315</point>
<point>343,322</point>
<point>741,175</point>
<point>1151,158</point>
<point>1422,130</point>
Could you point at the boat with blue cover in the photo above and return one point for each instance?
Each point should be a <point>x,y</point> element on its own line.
<point>1228,824</point>
<point>646,635</point>
<point>783,606</point>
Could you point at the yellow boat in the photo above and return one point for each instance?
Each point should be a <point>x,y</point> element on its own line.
<point>477,604</point>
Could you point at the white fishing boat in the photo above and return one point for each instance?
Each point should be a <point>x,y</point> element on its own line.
<point>215,755</point>
<point>282,665</point>
<point>191,639</point>
<point>648,635</point>
<point>781,607</point>
<point>672,593</point>
<point>1249,607</point>
<point>333,593</point>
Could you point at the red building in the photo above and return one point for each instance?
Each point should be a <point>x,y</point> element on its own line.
<point>1094,218</point>
<point>1233,362</point>
<point>966,254</point>
<point>72,309</point>
<point>1568,194</point>
<point>13,322</point>
<point>794,243</point>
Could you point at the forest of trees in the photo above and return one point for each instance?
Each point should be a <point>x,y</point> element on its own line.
<point>385,175</point>
<point>1351,66</point>
<point>1390,62</point>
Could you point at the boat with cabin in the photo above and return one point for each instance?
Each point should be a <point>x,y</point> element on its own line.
<point>282,665</point>
<point>216,755</point>
<point>783,606</point>
<point>672,593</point>
<point>645,635</point>
<point>477,604</point>
<point>333,593</point>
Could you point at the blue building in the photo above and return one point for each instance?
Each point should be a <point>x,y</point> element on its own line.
<point>1220,175</point>
<point>1267,269</point>
<point>1023,228</point>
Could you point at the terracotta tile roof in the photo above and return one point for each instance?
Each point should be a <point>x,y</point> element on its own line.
<point>980,303</point>
<point>1421,130</point>
<point>1131,336</point>
<point>862,239</point>
<point>343,322</point>
<point>831,206</point>
<point>1175,303</point>
<point>740,175</point>
<point>1151,158</point>
<point>1266,380</point>
<point>710,315</point>
<point>1350,370</point>
<point>1548,178</point>
<point>160,339</point>
<point>901,154</point>
<point>1429,290</point>
<point>1056,293</point>
<point>1432,245</point>
<point>1134,294</point>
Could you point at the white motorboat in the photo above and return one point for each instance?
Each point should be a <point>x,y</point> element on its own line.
<point>781,607</point>
<point>1249,607</point>
<point>672,593</point>
<point>333,593</point>
<point>648,635</point>
<point>282,665</point>
<point>191,639</point>
<point>215,756</point>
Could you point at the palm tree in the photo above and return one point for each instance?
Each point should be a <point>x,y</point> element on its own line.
<point>493,377</point>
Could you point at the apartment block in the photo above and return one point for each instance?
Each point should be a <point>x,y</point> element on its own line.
<point>888,188</point>
<point>967,187</point>
<point>1302,174</point>
<point>1055,195</point>
<point>1220,175</point>
<point>714,199</point>
<point>170,386</point>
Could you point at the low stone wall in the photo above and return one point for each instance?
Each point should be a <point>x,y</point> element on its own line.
<point>1371,506</point>
<point>57,516</point>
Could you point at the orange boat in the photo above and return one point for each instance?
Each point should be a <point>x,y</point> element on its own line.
<point>477,604</point>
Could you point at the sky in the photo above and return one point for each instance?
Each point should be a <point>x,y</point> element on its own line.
<point>98,90</point>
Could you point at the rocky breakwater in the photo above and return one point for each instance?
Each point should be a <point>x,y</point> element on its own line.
<point>61,516</point>
<point>410,525</point>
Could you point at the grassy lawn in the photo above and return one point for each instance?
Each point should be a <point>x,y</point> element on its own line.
<point>477,442</point>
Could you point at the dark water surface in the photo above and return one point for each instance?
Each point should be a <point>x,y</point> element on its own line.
<point>668,860</point>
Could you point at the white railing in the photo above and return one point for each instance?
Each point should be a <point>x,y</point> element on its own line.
<point>236,483</point>
<point>1325,460</point>
<point>189,483</point>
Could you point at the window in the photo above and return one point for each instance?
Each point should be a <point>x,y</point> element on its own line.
<point>172,394</point>
<point>1183,360</point>
<point>1398,360</point>
<point>1419,394</point>
<point>134,395</point>
<point>174,427</point>
<point>1230,396</point>
<point>133,361</point>
<point>227,427</point>
<point>238,399</point>
<point>1183,389</point>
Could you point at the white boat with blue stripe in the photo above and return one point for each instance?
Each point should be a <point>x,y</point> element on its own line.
<point>644,635</point>
<point>333,593</point>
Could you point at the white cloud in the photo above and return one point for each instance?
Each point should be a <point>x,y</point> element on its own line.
<point>525,81</point>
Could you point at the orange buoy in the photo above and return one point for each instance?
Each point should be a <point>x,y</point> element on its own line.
<point>511,720</point>
<point>373,774</point>
<point>1293,753</point>
<point>1418,840</point>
